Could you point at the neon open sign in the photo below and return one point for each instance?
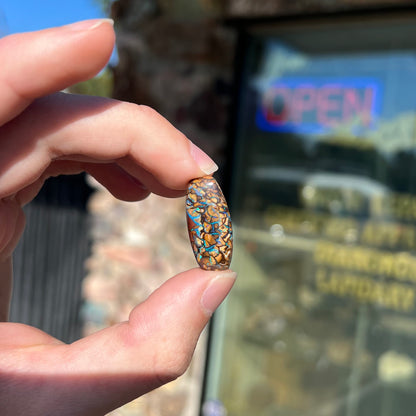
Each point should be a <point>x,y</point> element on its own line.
<point>318,106</point>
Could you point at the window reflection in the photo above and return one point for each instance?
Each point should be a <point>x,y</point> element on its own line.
<point>323,318</point>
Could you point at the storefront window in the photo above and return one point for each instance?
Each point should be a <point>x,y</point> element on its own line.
<point>322,321</point>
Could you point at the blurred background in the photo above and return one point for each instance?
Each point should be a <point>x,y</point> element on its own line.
<point>308,108</point>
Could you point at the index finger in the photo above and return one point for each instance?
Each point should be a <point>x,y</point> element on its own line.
<point>100,131</point>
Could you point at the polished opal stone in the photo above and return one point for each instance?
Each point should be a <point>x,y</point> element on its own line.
<point>209,224</point>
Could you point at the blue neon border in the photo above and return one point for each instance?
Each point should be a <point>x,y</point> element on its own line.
<point>316,128</point>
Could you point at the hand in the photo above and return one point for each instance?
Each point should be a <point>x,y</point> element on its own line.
<point>132,151</point>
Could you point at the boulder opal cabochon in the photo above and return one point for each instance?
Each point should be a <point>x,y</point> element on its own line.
<point>209,224</point>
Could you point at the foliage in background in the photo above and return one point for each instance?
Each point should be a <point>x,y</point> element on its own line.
<point>192,9</point>
<point>105,5</point>
<point>101,85</point>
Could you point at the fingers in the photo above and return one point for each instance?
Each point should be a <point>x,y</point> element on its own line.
<point>164,328</point>
<point>39,63</point>
<point>12,222</point>
<point>116,365</point>
<point>143,151</point>
<point>15,335</point>
<point>90,131</point>
<point>156,344</point>
<point>119,182</point>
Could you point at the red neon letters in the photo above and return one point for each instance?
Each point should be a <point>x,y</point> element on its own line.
<point>327,105</point>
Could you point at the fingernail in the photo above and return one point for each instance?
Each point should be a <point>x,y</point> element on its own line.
<point>216,291</point>
<point>205,163</point>
<point>88,24</point>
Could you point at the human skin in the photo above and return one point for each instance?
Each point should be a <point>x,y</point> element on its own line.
<point>132,151</point>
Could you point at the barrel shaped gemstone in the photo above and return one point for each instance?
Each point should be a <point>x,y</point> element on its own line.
<point>209,224</point>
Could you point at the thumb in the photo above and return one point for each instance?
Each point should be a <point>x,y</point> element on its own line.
<point>172,319</point>
<point>118,364</point>
<point>161,333</point>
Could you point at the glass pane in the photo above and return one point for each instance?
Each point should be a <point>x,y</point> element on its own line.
<point>322,320</point>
